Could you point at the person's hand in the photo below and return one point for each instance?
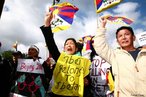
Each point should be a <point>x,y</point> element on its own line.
<point>86,82</point>
<point>103,22</point>
<point>48,19</point>
<point>50,62</point>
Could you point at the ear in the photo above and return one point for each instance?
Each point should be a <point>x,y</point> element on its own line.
<point>117,41</point>
<point>77,49</point>
<point>134,38</point>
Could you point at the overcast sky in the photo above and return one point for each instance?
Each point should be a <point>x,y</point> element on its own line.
<point>21,21</point>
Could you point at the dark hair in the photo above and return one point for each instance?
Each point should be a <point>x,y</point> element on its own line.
<point>17,53</point>
<point>72,40</point>
<point>125,27</point>
<point>80,47</point>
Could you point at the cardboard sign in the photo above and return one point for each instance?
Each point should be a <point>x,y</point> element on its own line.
<point>101,78</point>
<point>141,38</point>
<point>28,65</point>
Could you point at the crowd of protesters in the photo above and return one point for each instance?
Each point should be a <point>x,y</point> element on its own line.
<point>126,65</point>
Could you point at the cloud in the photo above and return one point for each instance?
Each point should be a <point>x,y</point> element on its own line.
<point>128,9</point>
<point>20,22</point>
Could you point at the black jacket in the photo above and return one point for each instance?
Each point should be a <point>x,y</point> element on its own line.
<point>50,42</point>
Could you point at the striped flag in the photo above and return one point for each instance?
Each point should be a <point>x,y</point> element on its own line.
<point>119,19</point>
<point>63,16</point>
<point>102,5</point>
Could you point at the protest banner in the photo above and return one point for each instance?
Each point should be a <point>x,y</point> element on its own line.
<point>101,78</point>
<point>69,74</point>
<point>28,65</point>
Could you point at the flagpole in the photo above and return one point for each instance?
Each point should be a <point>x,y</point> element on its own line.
<point>16,45</point>
<point>97,20</point>
<point>0,48</point>
<point>53,2</point>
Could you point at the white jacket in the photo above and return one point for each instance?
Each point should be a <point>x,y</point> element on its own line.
<point>130,75</point>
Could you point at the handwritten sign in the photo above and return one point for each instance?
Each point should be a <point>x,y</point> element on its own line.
<point>68,75</point>
<point>141,38</point>
<point>28,65</point>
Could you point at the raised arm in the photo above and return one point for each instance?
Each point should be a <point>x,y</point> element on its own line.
<point>100,44</point>
<point>48,35</point>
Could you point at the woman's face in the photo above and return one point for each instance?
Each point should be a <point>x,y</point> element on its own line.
<point>70,47</point>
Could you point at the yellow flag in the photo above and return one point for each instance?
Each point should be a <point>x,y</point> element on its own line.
<point>69,74</point>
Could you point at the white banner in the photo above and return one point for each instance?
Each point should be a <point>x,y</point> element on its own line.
<point>31,66</point>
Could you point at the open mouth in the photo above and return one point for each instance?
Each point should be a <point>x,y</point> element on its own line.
<point>125,42</point>
<point>69,49</point>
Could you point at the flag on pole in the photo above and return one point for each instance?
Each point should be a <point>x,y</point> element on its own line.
<point>87,42</point>
<point>119,19</point>
<point>102,5</point>
<point>63,16</point>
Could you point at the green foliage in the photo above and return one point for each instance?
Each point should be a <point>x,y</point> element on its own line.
<point>7,55</point>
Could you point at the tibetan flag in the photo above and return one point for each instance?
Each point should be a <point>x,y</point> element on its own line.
<point>87,42</point>
<point>87,48</point>
<point>119,19</point>
<point>102,5</point>
<point>63,16</point>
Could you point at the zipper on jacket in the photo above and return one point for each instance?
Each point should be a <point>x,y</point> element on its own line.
<point>136,68</point>
<point>118,93</point>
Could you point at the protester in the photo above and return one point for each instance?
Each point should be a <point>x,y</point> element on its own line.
<point>128,62</point>
<point>32,75</point>
<point>101,78</point>
<point>1,6</point>
<point>70,50</point>
<point>102,83</point>
<point>5,73</point>
<point>16,55</point>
